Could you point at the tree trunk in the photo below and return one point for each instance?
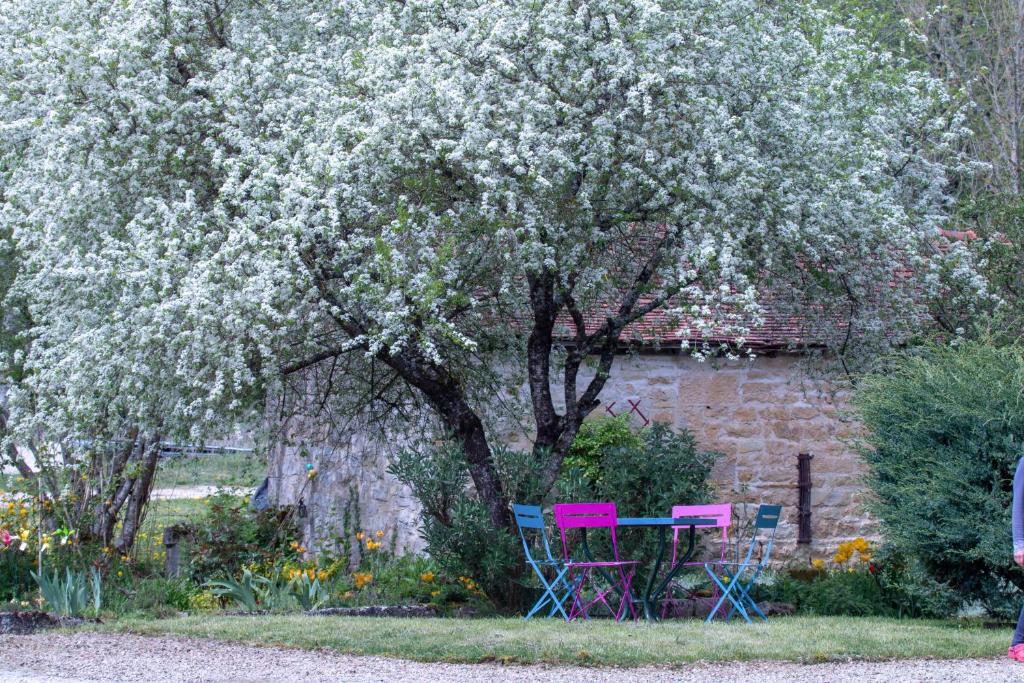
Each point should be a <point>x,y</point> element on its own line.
<point>116,491</point>
<point>140,490</point>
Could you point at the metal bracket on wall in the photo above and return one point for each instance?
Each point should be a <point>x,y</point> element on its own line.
<point>803,483</point>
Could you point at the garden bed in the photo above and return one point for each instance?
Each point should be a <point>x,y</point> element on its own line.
<point>24,623</point>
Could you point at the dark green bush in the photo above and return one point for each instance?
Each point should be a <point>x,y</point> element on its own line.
<point>231,534</point>
<point>910,590</point>
<point>829,593</point>
<point>157,596</point>
<point>644,472</point>
<point>890,585</point>
<point>944,435</point>
<point>456,526</point>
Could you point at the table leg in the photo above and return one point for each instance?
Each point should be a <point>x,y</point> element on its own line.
<point>691,543</point>
<point>649,596</point>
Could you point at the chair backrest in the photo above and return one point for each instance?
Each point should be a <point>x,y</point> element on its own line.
<point>768,516</point>
<point>766,520</point>
<point>586,516</point>
<point>531,517</point>
<point>720,512</point>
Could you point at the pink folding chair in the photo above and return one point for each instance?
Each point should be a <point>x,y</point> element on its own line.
<point>588,516</point>
<point>722,514</point>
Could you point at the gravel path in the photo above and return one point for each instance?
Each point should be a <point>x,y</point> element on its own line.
<point>83,657</point>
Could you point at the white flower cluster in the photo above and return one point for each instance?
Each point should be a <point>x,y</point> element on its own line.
<point>204,192</point>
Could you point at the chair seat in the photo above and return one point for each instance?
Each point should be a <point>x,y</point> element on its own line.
<point>621,563</point>
<point>698,563</point>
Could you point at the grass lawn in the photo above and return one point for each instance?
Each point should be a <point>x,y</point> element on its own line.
<point>219,469</point>
<point>804,639</point>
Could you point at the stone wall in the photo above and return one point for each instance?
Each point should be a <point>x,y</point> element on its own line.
<point>351,476</point>
<point>759,414</point>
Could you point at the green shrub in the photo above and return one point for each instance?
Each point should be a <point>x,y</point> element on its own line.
<point>645,472</point>
<point>594,441</point>
<point>456,526</point>
<point>157,596</point>
<point>854,593</point>
<point>231,535</point>
<point>944,430</point>
<point>911,590</point>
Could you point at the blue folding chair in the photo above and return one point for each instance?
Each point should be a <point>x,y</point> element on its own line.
<point>735,589</point>
<point>530,517</point>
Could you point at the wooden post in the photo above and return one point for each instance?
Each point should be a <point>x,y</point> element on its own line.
<point>803,464</point>
<point>172,566</point>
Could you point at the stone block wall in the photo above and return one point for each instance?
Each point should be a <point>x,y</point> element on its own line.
<point>351,475</point>
<point>760,414</point>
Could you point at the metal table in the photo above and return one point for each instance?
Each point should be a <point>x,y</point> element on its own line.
<point>650,596</point>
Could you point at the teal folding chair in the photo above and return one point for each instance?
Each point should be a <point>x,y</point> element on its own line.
<point>737,590</point>
<point>531,518</point>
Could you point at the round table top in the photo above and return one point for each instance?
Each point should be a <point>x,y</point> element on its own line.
<point>666,521</point>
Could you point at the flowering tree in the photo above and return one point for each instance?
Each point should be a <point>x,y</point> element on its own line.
<point>217,198</point>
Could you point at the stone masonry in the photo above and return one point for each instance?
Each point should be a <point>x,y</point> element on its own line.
<point>760,414</point>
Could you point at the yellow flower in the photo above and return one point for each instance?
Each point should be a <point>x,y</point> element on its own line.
<point>372,545</point>
<point>120,573</point>
<point>311,573</point>
<point>818,563</point>
<point>362,579</point>
<point>322,575</point>
<point>379,534</point>
<point>427,577</point>
<point>294,545</point>
<point>434,594</point>
<point>302,549</point>
<point>359,535</point>
<point>347,595</point>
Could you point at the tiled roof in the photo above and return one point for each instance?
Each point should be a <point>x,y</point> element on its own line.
<point>660,328</point>
<point>777,329</point>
